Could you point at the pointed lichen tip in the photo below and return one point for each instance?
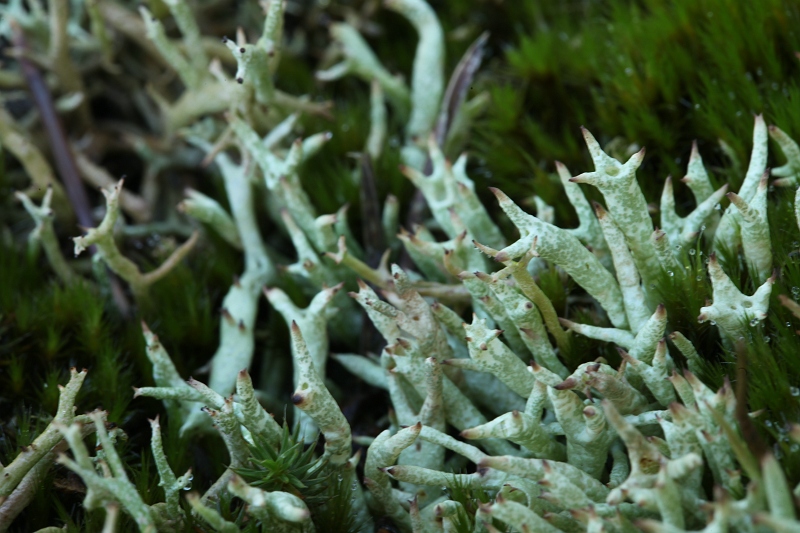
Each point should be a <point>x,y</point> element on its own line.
<point>661,311</point>
<point>336,288</point>
<point>500,195</point>
<point>599,210</point>
<point>566,322</point>
<point>774,277</point>
<point>567,384</point>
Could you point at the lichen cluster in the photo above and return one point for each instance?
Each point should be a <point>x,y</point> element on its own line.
<point>492,425</point>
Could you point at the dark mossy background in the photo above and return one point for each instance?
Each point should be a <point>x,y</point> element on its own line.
<point>652,73</point>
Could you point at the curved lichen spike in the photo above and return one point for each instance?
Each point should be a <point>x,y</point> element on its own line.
<point>312,320</point>
<point>521,429</point>
<point>693,359</point>
<point>789,173</point>
<point>417,318</point>
<point>727,233</point>
<point>527,320</point>
<point>258,422</point>
<point>444,193</point>
<point>381,314</point>
<point>625,201</point>
<point>665,254</point>
<point>485,299</point>
<point>312,397</point>
<point>471,209</point>
<point>529,288</point>
<point>492,356</point>
<point>165,374</point>
<point>459,410</point>
<point>517,516</point>
<point>610,383</point>
<point>731,310</point>
<point>643,455</point>
<point>697,177</point>
<point>360,60</point>
<point>588,231</point>
<point>755,230</point>
<point>646,341</point>
<point>758,160</point>
<point>383,453</point>
<point>427,79</point>
<point>425,254</point>
<point>534,469</point>
<point>621,337</point>
<point>655,376</point>
<point>565,250</point>
<point>588,440</point>
<point>628,277</point>
<point>683,230</point>
<point>308,264</point>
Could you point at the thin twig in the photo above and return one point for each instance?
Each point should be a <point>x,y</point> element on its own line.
<point>65,162</point>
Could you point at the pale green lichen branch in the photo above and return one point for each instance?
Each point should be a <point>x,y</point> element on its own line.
<point>103,237</point>
<point>44,234</point>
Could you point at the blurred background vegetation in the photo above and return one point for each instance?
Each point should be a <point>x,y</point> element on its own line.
<point>651,73</point>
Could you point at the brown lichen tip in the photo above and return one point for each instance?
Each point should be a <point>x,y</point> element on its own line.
<point>567,384</point>
<point>599,210</point>
<point>298,398</point>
